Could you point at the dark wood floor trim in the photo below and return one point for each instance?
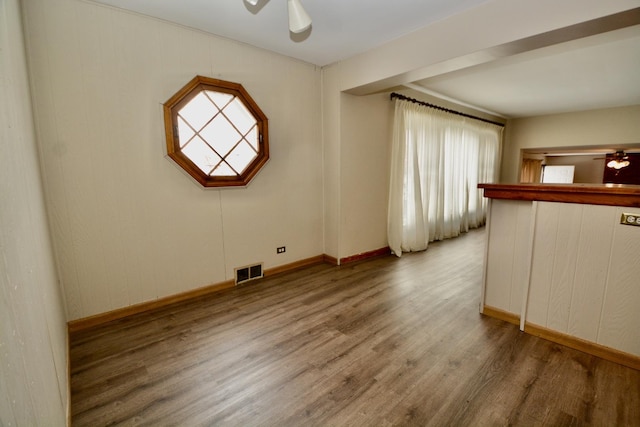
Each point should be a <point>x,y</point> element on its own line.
<point>576,343</point>
<point>68,408</point>
<point>330,260</point>
<point>358,257</point>
<point>295,265</point>
<point>589,347</point>
<point>99,319</point>
<point>366,255</point>
<point>501,314</point>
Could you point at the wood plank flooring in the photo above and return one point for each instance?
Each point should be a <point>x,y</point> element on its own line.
<point>383,342</point>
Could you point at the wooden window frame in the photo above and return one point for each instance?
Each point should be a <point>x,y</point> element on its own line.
<point>171,108</point>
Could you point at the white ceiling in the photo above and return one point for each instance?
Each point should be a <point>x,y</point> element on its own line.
<point>340,28</point>
<point>600,71</point>
<point>593,72</point>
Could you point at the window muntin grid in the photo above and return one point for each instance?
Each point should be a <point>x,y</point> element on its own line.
<point>217,132</point>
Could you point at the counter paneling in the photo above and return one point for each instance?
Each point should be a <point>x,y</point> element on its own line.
<point>565,266</point>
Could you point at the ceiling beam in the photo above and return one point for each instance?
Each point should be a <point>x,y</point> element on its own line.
<point>581,30</point>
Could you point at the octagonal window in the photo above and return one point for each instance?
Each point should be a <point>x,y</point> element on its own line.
<point>216,132</point>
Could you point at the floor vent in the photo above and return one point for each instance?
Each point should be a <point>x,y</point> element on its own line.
<point>244,274</point>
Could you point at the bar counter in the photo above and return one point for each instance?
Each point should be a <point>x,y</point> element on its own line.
<point>561,264</point>
<point>595,194</point>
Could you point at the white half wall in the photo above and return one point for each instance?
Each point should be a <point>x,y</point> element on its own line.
<point>583,267</point>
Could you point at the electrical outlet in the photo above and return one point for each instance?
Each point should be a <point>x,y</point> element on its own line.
<point>281,250</point>
<point>630,219</point>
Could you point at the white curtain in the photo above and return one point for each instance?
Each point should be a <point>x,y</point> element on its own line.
<point>531,171</point>
<point>437,160</point>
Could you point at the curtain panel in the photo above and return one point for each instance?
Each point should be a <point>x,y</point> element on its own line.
<point>531,171</point>
<point>437,161</point>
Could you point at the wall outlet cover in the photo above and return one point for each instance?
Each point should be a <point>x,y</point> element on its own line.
<point>630,219</point>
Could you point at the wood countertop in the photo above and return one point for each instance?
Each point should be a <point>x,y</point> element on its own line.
<point>593,194</point>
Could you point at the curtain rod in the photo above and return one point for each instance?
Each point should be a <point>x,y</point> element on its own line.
<point>437,107</point>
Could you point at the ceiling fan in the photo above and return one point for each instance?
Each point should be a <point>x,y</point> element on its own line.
<point>299,19</point>
<point>620,160</point>
<point>617,161</point>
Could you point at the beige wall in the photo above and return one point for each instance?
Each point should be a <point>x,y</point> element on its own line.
<point>608,127</point>
<point>589,169</point>
<point>33,333</point>
<point>448,44</point>
<point>128,225</point>
<point>365,152</point>
<point>331,160</point>
<point>365,155</point>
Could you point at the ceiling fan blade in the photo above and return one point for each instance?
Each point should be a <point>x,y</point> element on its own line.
<point>299,19</point>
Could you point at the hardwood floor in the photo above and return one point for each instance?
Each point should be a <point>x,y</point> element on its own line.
<point>376,343</point>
